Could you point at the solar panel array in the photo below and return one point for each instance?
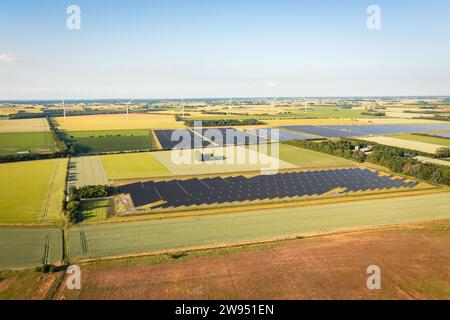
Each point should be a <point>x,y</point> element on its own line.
<point>282,135</point>
<point>176,193</point>
<point>343,131</point>
<point>187,139</point>
<point>443,135</point>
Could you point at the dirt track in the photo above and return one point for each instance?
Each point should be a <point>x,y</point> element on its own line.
<point>414,265</point>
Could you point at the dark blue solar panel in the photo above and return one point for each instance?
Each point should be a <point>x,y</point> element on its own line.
<point>177,193</point>
<point>444,135</point>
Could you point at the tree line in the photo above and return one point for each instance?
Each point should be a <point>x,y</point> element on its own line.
<point>72,206</point>
<point>395,159</point>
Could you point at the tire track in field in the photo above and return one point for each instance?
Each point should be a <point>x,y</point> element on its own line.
<point>46,249</point>
<point>47,202</point>
<point>84,242</point>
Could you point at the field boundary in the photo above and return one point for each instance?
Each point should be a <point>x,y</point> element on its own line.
<point>300,236</point>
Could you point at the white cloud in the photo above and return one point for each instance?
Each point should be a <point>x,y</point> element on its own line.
<point>6,57</point>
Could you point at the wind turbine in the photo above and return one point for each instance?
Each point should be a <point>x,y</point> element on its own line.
<point>182,106</point>
<point>229,106</point>
<point>273,107</point>
<point>64,110</point>
<point>127,106</point>
<point>306,105</point>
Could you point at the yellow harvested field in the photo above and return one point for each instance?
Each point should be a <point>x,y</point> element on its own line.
<point>118,122</point>
<point>406,144</point>
<point>24,125</point>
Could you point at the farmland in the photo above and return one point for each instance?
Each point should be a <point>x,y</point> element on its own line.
<point>118,122</point>
<point>93,142</point>
<point>25,125</point>
<point>424,139</point>
<point>29,247</point>
<point>235,159</point>
<point>303,158</point>
<point>34,142</point>
<point>34,191</point>
<point>94,210</point>
<point>88,170</point>
<point>296,269</point>
<point>225,229</point>
<point>136,165</point>
<point>406,144</point>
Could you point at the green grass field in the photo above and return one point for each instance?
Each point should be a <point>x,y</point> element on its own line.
<point>35,142</point>
<point>29,247</point>
<point>133,165</point>
<point>32,191</point>
<point>94,210</point>
<point>181,233</point>
<point>426,139</point>
<point>313,112</point>
<point>89,142</point>
<point>303,158</point>
<point>88,170</point>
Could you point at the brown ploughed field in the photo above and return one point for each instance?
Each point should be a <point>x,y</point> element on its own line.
<point>414,261</point>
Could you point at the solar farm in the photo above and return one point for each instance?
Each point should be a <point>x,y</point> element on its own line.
<point>208,191</point>
<point>175,187</point>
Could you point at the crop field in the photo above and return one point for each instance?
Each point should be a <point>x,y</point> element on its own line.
<point>29,247</point>
<point>425,139</point>
<point>84,171</point>
<point>133,165</point>
<point>433,161</point>
<point>313,112</point>
<point>223,229</point>
<point>88,142</point>
<point>227,159</point>
<point>118,122</point>
<point>24,125</point>
<point>35,142</point>
<point>406,144</point>
<point>32,191</point>
<point>94,210</point>
<point>296,269</point>
<point>304,158</point>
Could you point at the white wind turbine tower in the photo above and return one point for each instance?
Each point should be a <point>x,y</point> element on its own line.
<point>229,106</point>
<point>127,104</point>
<point>182,106</point>
<point>64,110</point>
<point>273,106</point>
<point>306,105</point>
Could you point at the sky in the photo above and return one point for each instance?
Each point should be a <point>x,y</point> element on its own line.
<point>199,49</point>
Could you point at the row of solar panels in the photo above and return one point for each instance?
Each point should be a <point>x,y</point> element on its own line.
<point>343,131</point>
<point>442,135</point>
<point>176,193</point>
<point>187,139</point>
